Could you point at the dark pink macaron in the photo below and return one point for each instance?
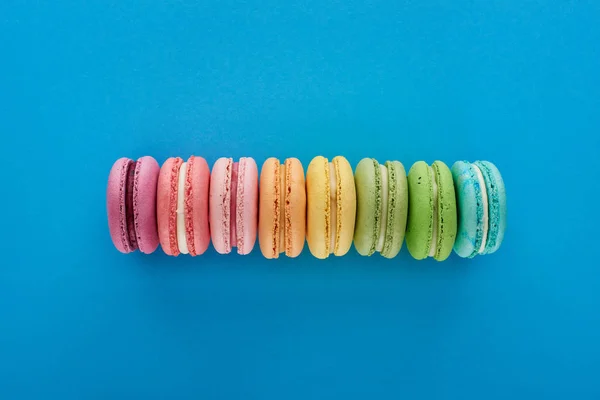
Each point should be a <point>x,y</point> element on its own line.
<point>131,204</point>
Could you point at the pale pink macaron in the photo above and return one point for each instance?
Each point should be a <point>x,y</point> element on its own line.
<point>182,206</point>
<point>131,204</point>
<point>233,205</point>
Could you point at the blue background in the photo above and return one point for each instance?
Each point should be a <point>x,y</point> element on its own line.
<point>81,85</point>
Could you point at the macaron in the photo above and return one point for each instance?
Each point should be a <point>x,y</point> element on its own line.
<point>481,198</point>
<point>233,205</point>
<point>331,206</point>
<point>282,208</point>
<point>431,226</point>
<point>382,207</point>
<point>182,206</point>
<point>131,204</point>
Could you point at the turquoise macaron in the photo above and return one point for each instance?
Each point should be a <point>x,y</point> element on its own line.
<point>481,200</point>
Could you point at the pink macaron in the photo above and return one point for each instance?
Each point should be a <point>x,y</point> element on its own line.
<point>182,206</point>
<point>233,205</point>
<point>131,204</point>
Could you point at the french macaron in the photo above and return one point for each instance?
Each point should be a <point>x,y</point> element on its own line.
<point>382,207</point>
<point>331,206</point>
<point>233,205</point>
<point>282,208</point>
<point>131,204</point>
<point>432,220</point>
<point>182,206</point>
<point>481,200</point>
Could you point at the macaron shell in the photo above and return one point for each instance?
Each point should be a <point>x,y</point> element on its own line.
<point>318,207</point>
<point>397,209</point>
<point>447,219</point>
<point>470,210</point>
<point>419,229</point>
<point>269,209</point>
<point>247,205</point>
<point>144,203</point>
<point>346,205</point>
<point>220,205</point>
<point>496,203</point>
<point>294,206</point>
<point>367,178</point>
<point>166,205</point>
<point>197,186</point>
<point>115,205</point>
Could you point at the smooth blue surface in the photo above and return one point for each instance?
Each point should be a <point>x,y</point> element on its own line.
<point>83,83</point>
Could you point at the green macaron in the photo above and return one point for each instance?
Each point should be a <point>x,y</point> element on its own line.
<point>382,207</point>
<point>432,220</point>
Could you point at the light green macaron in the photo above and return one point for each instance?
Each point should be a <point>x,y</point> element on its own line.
<point>382,207</point>
<point>432,220</point>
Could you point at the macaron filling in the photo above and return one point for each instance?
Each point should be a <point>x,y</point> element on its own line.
<point>484,197</point>
<point>384,207</point>
<point>181,230</point>
<point>281,203</point>
<point>129,211</point>
<point>233,206</point>
<point>434,229</point>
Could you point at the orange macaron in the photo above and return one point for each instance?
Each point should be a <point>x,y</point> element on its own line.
<point>282,208</point>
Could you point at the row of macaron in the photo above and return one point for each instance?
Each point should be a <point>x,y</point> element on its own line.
<point>183,206</point>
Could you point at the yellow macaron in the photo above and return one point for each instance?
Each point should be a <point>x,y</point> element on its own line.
<point>331,206</point>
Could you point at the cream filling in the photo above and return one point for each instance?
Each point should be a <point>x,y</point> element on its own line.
<point>434,234</point>
<point>332,207</point>
<point>384,205</point>
<point>485,206</point>
<point>282,199</point>
<point>181,237</point>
